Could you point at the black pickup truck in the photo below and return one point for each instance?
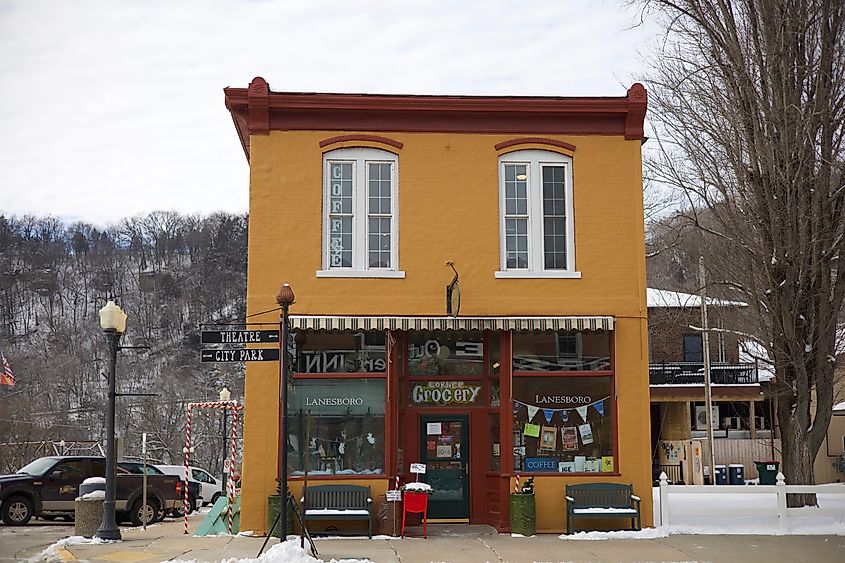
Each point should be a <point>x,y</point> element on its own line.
<point>48,486</point>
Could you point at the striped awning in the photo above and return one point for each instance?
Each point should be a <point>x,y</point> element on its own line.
<point>321,322</point>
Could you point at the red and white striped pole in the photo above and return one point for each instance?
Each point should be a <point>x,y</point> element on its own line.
<point>187,461</point>
<point>232,465</point>
<point>516,485</point>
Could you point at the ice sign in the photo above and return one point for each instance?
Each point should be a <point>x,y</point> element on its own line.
<point>417,468</point>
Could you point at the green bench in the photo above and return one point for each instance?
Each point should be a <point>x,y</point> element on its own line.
<point>601,500</point>
<point>338,502</point>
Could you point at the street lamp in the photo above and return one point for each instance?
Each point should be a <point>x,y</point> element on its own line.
<point>225,395</point>
<point>284,298</point>
<point>113,323</point>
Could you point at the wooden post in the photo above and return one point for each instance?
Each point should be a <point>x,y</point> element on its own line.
<point>664,501</point>
<point>781,488</point>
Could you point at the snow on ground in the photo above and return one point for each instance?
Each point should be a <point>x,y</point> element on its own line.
<point>54,551</point>
<point>646,534</point>
<point>741,512</point>
<point>286,552</point>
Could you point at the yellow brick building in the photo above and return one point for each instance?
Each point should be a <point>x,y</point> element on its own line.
<point>533,362</point>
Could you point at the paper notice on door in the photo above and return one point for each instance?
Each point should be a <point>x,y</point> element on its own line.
<point>444,451</point>
<point>433,428</point>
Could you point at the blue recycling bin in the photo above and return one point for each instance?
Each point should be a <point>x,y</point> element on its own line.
<point>736,474</point>
<point>720,475</point>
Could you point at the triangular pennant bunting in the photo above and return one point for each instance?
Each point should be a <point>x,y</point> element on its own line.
<point>600,407</point>
<point>548,413</point>
<point>532,410</point>
<point>583,412</point>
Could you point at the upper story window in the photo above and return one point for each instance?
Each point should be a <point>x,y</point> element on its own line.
<point>360,213</point>
<point>537,229</point>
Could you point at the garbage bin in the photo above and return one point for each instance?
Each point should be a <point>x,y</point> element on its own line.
<point>720,475</point>
<point>523,514</point>
<point>768,471</point>
<point>735,474</point>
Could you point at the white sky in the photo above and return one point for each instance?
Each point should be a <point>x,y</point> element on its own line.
<point>111,108</point>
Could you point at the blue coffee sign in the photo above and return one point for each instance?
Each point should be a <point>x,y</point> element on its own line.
<point>541,464</point>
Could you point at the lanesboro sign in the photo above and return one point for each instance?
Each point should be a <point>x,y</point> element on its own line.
<point>242,355</point>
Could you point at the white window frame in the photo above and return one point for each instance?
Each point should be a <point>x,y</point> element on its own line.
<point>360,157</point>
<point>534,160</point>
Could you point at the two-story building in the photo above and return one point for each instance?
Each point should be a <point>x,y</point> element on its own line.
<point>534,360</point>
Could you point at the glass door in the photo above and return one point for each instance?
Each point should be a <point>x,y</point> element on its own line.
<point>444,448</point>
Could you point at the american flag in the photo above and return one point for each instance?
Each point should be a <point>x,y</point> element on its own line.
<point>6,376</point>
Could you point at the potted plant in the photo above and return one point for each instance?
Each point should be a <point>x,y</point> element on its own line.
<point>523,508</point>
<point>273,513</point>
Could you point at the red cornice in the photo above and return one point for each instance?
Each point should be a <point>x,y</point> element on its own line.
<point>366,138</point>
<point>257,111</point>
<point>534,141</point>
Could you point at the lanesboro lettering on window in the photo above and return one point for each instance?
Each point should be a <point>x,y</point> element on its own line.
<point>333,401</point>
<point>563,399</point>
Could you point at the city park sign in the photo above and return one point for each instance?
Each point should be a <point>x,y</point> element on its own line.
<point>444,393</point>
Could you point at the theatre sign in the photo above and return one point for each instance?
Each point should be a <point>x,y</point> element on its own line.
<point>445,393</point>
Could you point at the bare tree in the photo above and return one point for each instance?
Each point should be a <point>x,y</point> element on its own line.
<point>749,99</point>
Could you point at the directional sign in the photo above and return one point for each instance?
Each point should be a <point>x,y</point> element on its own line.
<point>242,355</point>
<point>239,336</point>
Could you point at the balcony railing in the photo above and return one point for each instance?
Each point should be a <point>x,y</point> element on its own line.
<point>666,373</point>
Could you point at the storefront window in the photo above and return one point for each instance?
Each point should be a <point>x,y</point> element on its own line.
<point>561,351</point>
<point>446,353</point>
<point>563,424</point>
<point>336,427</point>
<point>340,352</point>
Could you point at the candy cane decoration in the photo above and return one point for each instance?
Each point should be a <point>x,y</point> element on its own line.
<point>187,455</point>
<point>231,479</point>
<point>516,485</point>
<point>228,405</point>
<point>397,483</point>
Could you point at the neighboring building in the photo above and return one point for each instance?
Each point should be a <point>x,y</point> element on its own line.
<point>742,416</point>
<point>537,364</point>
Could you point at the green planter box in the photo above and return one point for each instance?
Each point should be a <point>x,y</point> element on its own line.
<point>273,513</point>
<point>523,515</point>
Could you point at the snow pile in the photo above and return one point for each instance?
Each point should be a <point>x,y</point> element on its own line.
<point>54,551</point>
<point>94,495</point>
<point>646,534</point>
<point>94,481</point>
<point>286,552</point>
<point>417,487</point>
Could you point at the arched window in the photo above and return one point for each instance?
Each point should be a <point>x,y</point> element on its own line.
<point>360,213</point>
<point>536,223</point>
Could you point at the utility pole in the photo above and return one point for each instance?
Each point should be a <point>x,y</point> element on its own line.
<point>705,344</point>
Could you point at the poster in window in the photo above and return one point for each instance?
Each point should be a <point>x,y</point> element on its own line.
<point>586,432</point>
<point>607,463</point>
<point>569,438</point>
<point>548,438</point>
<point>532,430</point>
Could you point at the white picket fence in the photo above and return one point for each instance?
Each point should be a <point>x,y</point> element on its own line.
<point>781,489</point>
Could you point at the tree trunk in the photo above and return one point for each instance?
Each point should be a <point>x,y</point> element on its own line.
<point>797,466</point>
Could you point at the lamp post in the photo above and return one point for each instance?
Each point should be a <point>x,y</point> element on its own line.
<point>225,395</point>
<point>284,298</point>
<point>113,324</point>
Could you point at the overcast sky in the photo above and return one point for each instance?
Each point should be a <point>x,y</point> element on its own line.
<point>112,108</point>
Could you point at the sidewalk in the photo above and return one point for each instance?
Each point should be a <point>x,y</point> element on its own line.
<point>446,542</point>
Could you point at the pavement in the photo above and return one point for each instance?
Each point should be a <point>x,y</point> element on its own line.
<point>446,542</point>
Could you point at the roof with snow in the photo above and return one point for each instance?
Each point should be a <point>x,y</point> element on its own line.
<point>677,299</point>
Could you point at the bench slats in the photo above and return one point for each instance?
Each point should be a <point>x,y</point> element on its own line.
<point>601,500</point>
<point>339,502</point>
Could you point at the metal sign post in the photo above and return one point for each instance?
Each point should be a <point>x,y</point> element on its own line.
<point>144,480</point>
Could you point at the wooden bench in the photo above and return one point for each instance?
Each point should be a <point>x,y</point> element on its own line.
<point>338,502</point>
<point>601,500</point>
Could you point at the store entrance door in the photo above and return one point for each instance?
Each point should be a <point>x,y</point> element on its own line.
<point>444,448</point>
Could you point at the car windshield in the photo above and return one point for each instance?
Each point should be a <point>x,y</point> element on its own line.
<point>38,467</point>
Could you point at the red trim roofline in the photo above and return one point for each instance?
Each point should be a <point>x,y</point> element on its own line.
<point>257,111</point>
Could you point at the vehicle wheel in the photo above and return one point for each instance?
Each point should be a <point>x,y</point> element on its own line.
<point>16,511</point>
<point>214,499</point>
<point>141,512</point>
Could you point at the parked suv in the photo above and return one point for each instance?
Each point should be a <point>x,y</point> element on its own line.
<point>49,485</point>
<point>194,487</point>
<point>211,488</point>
